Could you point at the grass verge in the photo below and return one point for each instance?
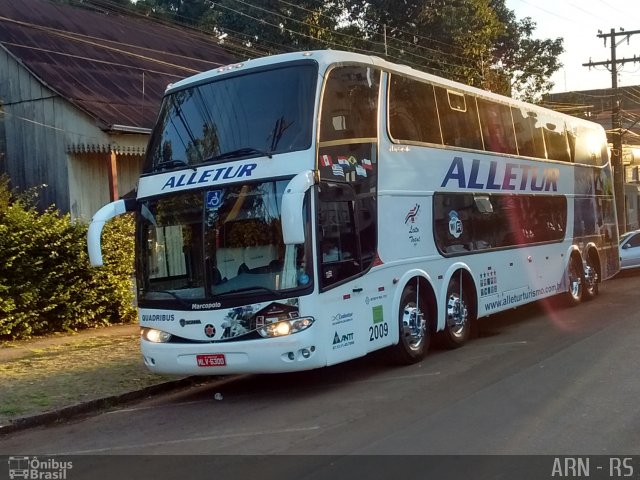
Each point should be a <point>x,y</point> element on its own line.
<point>56,376</point>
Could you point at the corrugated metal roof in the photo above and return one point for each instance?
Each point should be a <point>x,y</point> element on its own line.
<point>114,67</point>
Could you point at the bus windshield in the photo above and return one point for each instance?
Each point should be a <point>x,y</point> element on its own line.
<point>213,243</point>
<point>249,115</point>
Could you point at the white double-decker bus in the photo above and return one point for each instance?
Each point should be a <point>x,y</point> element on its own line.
<point>305,209</point>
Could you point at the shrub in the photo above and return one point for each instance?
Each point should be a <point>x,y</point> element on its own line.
<point>46,282</point>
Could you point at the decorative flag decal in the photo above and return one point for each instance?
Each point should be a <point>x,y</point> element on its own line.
<point>343,161</point>
<point>337,170</point>
<point>366,163</point>
<point>326,161</point>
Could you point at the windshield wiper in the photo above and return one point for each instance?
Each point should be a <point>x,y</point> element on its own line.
<point>278,130</point>
<point>173,163</point>
<point>252,289</point>
<point>169,292</point>
<point>240,152</point>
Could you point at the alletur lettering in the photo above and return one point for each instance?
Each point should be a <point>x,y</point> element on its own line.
<point>499,176</point>
<point>210,175</point>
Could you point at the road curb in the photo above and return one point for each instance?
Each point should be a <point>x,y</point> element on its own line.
<point>73,411</point>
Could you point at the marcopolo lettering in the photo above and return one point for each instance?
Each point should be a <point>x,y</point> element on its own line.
<point>501,176</point>
<point>210,175</point>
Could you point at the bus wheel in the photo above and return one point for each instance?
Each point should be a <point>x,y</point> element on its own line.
<point>458,321</point>
<point>414,329</point>
<point>575,279</point>
<point>591,279</point>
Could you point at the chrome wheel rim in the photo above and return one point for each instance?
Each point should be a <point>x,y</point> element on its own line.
<point>457,315</point>
<point>590,277</point>
<point>414,326</point>
<point>575,281</point>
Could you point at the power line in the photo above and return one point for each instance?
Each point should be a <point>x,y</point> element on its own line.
<point>99,45</point>
<point>415,35</point>
<point>183,28</point>
<point>326,42</point>
<point>95,60</point>
<point>547,11</point>
<point>578,7</point>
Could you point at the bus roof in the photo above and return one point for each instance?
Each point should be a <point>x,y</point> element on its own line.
<point>326,58</point>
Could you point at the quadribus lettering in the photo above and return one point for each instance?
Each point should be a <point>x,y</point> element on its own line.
<point>494,175</point>
<point>159,318</point>
<point>209,175</point>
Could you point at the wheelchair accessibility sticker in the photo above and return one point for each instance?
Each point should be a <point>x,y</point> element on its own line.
<point>214,199</point>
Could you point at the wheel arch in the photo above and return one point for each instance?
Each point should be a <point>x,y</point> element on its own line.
<point>591,251</point>
<point>468,282</point>
<point>427,291</point>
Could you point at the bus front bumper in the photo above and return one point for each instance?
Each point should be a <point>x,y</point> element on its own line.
<point>270,355</point>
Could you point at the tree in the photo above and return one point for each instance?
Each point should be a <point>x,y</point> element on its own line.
<point>477,42</point>
<point>275,26</point>
<point>183,11</point>
<point>528,62</point>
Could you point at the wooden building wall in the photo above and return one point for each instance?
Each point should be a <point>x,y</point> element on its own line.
<point>46,140</point>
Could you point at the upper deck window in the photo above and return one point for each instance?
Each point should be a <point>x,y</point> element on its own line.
<point>350,104</point>
<point>458,119</point>
<point>257,113</point>
<point>413,115</point>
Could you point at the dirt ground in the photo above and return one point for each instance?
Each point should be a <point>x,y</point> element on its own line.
<point>46,374</point>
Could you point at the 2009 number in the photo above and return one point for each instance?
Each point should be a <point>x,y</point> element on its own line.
<point>378,331</point>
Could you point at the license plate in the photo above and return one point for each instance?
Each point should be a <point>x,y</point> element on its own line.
<point>213,360</point>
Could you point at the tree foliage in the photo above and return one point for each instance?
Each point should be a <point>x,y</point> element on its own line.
<point>477,42</point>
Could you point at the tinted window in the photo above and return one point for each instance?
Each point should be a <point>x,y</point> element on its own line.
<point>346,232</point>
<point>588,146</point>
<point>350,104</point>
<point>337,234</point>
<point>458,119</point>
<point>270,110</point>
<point>529,136</point>
<point>412,111</point>
<point>555,138</point>
<point>497,127</point>
<point>466,222</point>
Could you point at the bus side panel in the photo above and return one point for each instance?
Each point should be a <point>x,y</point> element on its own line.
<point>518,276</point>
<point>406,227</point>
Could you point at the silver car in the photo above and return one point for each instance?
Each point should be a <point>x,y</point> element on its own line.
<point>629,248</point>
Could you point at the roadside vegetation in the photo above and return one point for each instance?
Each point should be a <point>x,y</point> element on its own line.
<point>45,375</point>
<point>46,282</point>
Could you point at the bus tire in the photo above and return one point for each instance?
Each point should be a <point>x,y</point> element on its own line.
<point>591,277</point>
<point>414,333</point>
<point>575,281</point>
<point>458,315</point>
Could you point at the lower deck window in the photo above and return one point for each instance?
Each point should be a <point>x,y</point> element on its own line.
<point>466,222</point>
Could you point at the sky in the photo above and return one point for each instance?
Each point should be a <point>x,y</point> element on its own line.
<point>578,22</point>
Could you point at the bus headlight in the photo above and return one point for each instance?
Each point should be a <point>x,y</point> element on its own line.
<point>154,336</point>
<point>285,327</point>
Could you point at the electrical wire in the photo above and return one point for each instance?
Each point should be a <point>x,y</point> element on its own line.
<point>413,45</point>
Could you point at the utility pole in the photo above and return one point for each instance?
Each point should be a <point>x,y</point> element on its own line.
<point>616,126</point>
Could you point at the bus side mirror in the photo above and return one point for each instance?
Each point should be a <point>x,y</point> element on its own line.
<point>292,201</point>
<point>102,216</point>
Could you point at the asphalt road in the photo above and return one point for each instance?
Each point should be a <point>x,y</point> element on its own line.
<point>537,380</point>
